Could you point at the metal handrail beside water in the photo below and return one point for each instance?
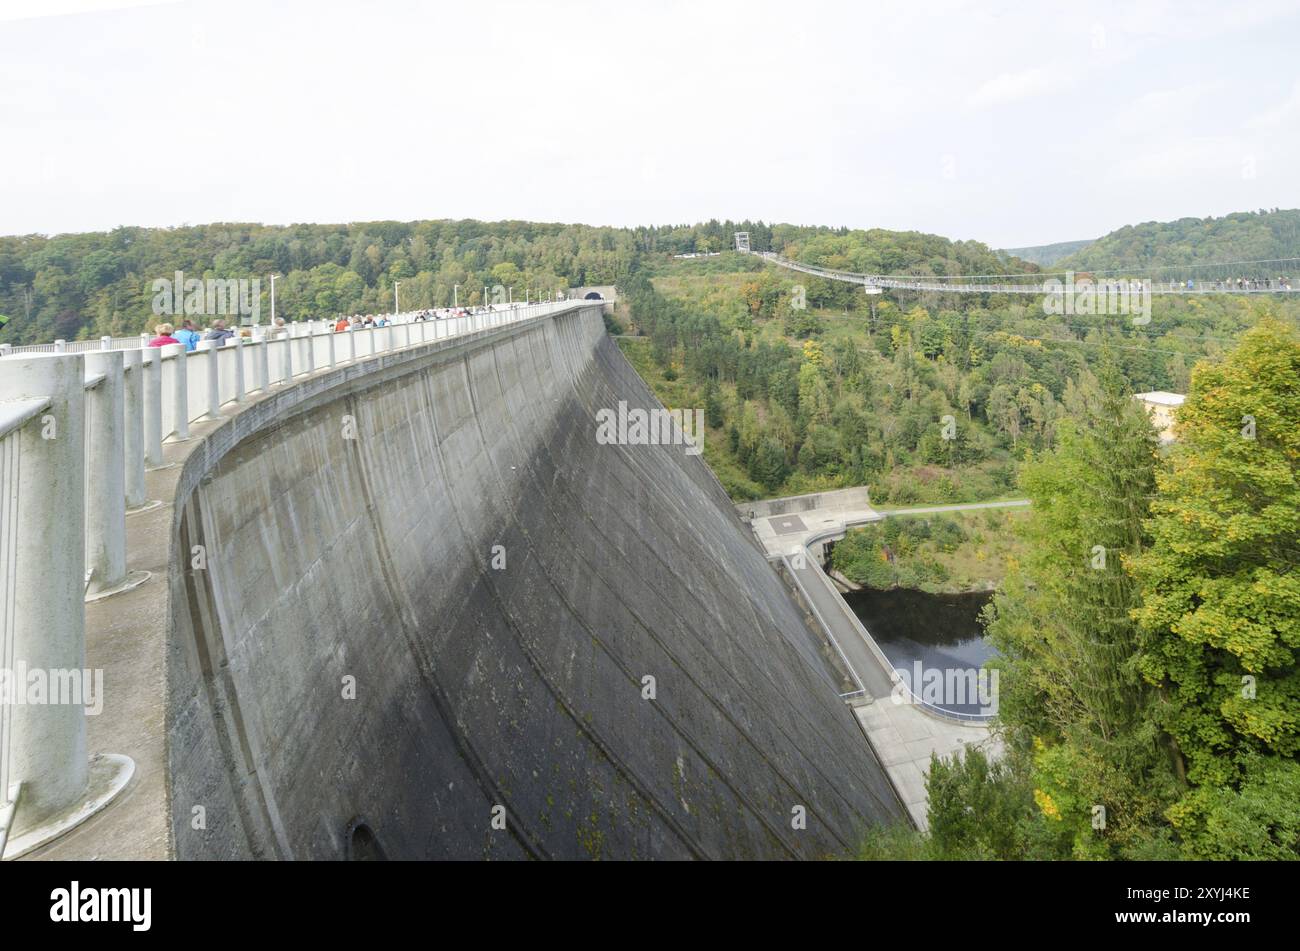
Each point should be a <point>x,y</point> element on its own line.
<point>900,686</point>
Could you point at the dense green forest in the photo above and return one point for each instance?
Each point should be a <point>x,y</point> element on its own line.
<point>1046,255</point>
<point>851,390</point>
<point>81,286</point>
<point>1245,236</point>
<point>1148,696</point>
<point>960,552</point>
<point>87,285</point>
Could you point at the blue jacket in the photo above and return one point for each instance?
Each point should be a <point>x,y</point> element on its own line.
<point>188,337</point>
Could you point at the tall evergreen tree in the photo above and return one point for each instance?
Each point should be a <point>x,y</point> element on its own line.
<point>1075,711</point>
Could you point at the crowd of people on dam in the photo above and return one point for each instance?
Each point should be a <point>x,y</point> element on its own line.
<point>189,335</point>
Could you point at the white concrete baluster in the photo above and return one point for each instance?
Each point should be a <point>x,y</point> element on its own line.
<point>262,360</point>
<point>286,359</point>
<point>175,352</point>
<point>152,408</point>
<point>133,427</point>
<point>60,785</point>
<point>48,751</point>
<point>310,341</point>
<point>238,356</point>
<point>212,368</point>
<point>105,475</point>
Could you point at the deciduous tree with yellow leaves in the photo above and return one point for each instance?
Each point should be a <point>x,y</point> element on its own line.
<point>1220,612</point>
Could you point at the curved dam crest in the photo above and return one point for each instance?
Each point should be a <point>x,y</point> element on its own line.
<point>347,652</point>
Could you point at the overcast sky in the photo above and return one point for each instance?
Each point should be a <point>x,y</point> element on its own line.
<point>1010,123</point>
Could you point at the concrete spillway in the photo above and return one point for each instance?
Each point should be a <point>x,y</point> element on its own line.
<point>345,653</point>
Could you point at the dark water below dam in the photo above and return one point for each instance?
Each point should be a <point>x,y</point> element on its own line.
<point>939,630</point>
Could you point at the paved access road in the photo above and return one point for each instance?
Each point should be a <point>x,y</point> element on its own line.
<point>963,507</point>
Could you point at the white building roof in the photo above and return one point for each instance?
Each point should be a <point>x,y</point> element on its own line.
<point>1161,398</point>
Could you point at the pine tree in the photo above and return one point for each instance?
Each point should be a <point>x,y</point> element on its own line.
<point>1076,711</point>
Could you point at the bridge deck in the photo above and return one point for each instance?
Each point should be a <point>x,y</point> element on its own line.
<point>876,282</point>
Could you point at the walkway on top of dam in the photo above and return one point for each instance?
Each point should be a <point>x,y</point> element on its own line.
<point>515,687</point>
<point>126,636</point>
<point>903,735</point>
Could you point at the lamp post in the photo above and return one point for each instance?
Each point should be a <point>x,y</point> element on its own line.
<point>273,277</point>
<point>396,306</point>
<point>455,295</point>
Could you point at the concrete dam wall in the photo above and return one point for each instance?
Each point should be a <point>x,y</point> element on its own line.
<point>353,671</point>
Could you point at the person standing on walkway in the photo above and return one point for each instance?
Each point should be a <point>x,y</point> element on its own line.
<point>163,336</point>
<point>188,336</point>
<point>218,331</point>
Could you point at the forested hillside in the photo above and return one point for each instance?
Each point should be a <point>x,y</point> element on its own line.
<point>1046,255</point>
<point>1147,635</point>
<point>894,252</point>
<point>1245,236</point>
<point>850,391</point>
<point>87,285</point>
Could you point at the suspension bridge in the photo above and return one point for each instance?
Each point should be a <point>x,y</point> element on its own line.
<point>1048,282</point>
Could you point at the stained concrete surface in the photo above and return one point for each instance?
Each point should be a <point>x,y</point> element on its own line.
<point>483,691</point>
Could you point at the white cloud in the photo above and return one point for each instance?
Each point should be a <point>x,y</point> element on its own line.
<point>1284,115</point>
<point>31,9</point>
<point>1012,87</point>
<point>584,110</point>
